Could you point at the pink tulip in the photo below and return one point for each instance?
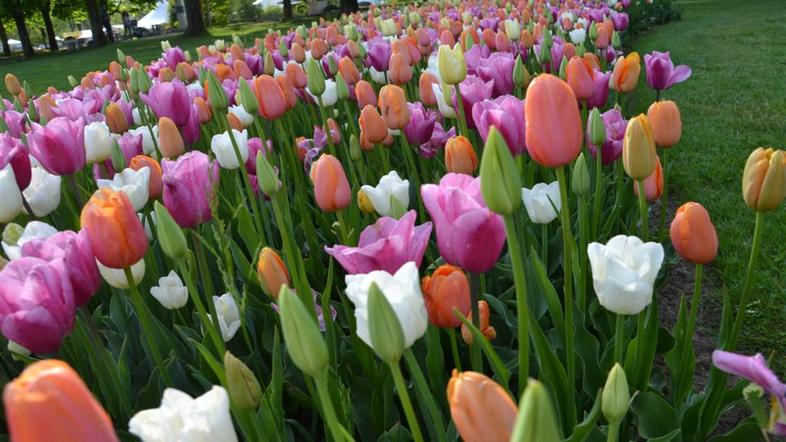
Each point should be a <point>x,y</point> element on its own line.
<point>506,113</point>
<point>189,185</point>
<point>498,67</point>
<point>169,100</point>
<point>473,90</point>
<point>59,146</point>
<point>421,124</point>
<point>13,152</point>
<point>554,129</point>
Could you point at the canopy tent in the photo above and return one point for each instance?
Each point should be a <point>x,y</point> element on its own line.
<point>15,45</point>
<point>266,3</point>
<point>156,17</point>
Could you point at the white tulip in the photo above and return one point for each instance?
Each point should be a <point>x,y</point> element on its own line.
<point>445,109</point>
<point>182,418</point>
<point>146,224</point>
<point>329,97</point>
<point>390,187</point>
<point>98,142</point>
<point>43,193</point>
<point>134,183</point>
<point>577,36</point>
<point>242,115</point>
<point>33,230</point>
<point>402,291</point>
<point>220,45</point>
<point>433,67</point>
<point>377,76</point>
<point>148,147</point>
<point>170,291</point>
<point>541,201</point>
<point>11,201</point>
<point>623,273</point>
<point>117,277</point>
<point>228,315</point>
<point>513,29</point>
<point>222,148</point>
<point>195,88</point>
<point>137,117</point>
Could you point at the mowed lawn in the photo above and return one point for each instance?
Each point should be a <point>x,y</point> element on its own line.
<point>734,102</point>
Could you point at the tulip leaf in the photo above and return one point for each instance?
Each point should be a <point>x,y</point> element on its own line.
<point>748,429</point>
<point>657,420</point>
<point>214,363</point>
<point>588,351</point>
<point>500,371</point>
<point>245,227</point>
<point>582,430</point>
<point>549,293</point>
<point>552,372</point>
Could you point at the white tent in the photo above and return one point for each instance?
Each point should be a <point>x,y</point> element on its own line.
<point>266,3</point>
<point>15,45</point>
<point>156,17</point>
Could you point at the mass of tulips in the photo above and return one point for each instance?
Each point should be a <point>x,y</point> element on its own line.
<point>412,223</point>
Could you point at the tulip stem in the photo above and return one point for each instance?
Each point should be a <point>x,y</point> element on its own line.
<point>618,339</point>
<point>323,112</point>
<point>664,199</point>
<point>336,429</point>
<point>544,246</point>
<point>246,180</point>
<point>614,431</point>
<point>147,325</point>
<point>454,348</point>
<point>424,395</point>
<point>645,227</point>
<point>596,202</point>
<point>193,292</point>
<point>746,288</point>
<point>475,356</point>
<point>461,117</point>
<point>413,172</point>
<point>685,371</point>
<point>522,308</point>
<point>403,395</point>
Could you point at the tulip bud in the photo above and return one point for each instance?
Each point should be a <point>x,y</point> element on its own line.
<point>447,288</point>
<point>331,188</point>
<point>342,91</point>
<point>666,124</point>
<point>536,420</point>
<point>460,156</point>
<point>484,325</point>
<point>247,97</point>
<point>144,83</point>
<point>242,385</point>
<point>521,75</point>
<point>693,234</point>
<point>73,81</point>
<point>563,68</point>
<point>170,142</point>
<point>121,56</point>
<point>271,272</point>
<point>500,182</point>
<point>393,103</point>
<point>596,128</point>
<point>580,181</point>
<point>355,151</point>
<point>115,232</point>
<point>269,66</point>
<point>302,337</point>
<point>118,159</point>
<point>316,77</point>
<point>216,94</point>
<point>267,177</point>
<point>593,31</point>
<point>170,235</point>
<point>364,202</point>
<point>764,179</point>
<point>116,119</point>
<point>481,409</point>
<point>451,63</point>
<point>372,125</point>
<point>615,40</point>
<point>12,84</point>
<point>615,400</point>
<point>387,337</point>
<point>638,148</point>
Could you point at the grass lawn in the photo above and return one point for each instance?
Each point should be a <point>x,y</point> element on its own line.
<point>734,102</point>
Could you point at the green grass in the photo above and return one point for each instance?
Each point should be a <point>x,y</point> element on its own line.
<point>734,102</point>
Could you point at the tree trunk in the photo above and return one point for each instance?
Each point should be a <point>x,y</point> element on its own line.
<point>287,9</point>
<point>349,5</point>
<point>196,24</point>
<point>4,39</point>
<point>106,21</point>
<point>21,28</point>
<point>50,29</point>
<point>99,39</point>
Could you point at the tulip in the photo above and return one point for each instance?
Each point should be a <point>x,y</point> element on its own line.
<point>393,103</point>
<point>553,124</point>
<point>224,148</point>
<point>117,277</point>
<point>447,288</point>
<point>484,324</point>
<point>473,90</point>
<point>169,99</point>
<point>170,291</point>
<point>12,84</point>
<point>543,202</point>
<point>270,96</point>
<point>481,409</point>
<point>693,234</point>
<point>460,156</point>
<point>638,148</point>
<point>303,339</point>
<point>170,141</point>
<point>134,183</point>
<point>228,315</point>
<point>13,152</point>
<point>653,184</point>
<point>271,272</point>
<point>116,119</point>
<point>506,113</point>
<point>581,77</point>
<point>499,177</point>
<point>440,94</point>
<point>391,196</point>
<point>498,67</point>
<point>666,124</point>
<point>623,273</point>
<point>115,232</point>
<point>421,124</point>
<point>98,142</point>
<point>189,185</point>
<point>11,204</point>
<point>469,235</point>
<point>51,391</point>
<point>764,179</point>
<point>536,419</point>
<point>365,95</point>
<point>427,79</point>
<point>400,71</point>
<point>36,303</point>
<point>615,126</point>
<point>402,291</point>
<point>181,417</point>
<point>616,395</point>
<point>154,186</point>
<point>348,70</point>
<point>239,113</point>
<point>331,188</point>
<point>452,65</point>
<point>386,245</point>
<point>626,73</point>
<point>244,388</point>
<point>661,73</point>
<point>59,146</point>
<point>14,236</point>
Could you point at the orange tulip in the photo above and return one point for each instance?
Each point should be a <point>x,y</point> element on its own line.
<point>166,75</point>
<point>372,125</point>
<point>693,234</point>
<point>364,94</point>
<point>234,122</point>
<point>460,157</point>
<point>271,272</point>
<point>12,84</point>
<point>116,118</point>
<point>480,408</point>
<point>348,70</point>
<point>426,92</point>
<point>446,38</point>
<point>45,105</point>
<point>527,38</point>
<point>318,48</point>
<point>626,73</point>
<point>224,72</point>
<point>554,133</point>
<point>488,331</point>
<point>593,60</point>
<point>447,288</point>
<point>666,124</point>
<point>241,70</point>
<point>272,101</point>
<point>115,232</point>
<point>393,103</point>
<point>581,77</point>
<point>185,72</point>
<point>49,402</point>
<point>237,52</point>
<point>400,71</point>
<point>289,92</point>
<point>116,70</point>
<point>156,183</point>
<point>502,42</point>
<point>296,75</point>
<point>653,184</point>
<point>331,188</point>
<point>298,52</point>
<point>170,143</point>
<point>204,112</point>
<point>489,38</point>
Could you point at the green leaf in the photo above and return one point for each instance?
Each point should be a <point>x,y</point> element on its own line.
<point>500,371</point>
<point>746,430</point>
<point>656,418</point>
<point>549,294</point>
<point>552,372</point>
<point>582,430</point>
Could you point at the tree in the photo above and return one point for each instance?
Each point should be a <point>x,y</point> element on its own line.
<point>349,5</point>
<point>287,9</point>
<point>93,11</point>
<point>45,8</point>
<point>16,9</point>
<point>4,38</point>
<point>196,24</point>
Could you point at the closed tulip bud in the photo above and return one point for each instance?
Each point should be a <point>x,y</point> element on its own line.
<point>626,73</point>
<point>580,181</point>
<point>521,76</point>
<point>447,288</point>
<point>460,157</point>
<point>271,272</point>
<point>563,68</point>
<point>72,81</point>
<point>481,409</point>
<point>500,182</point>
<point>12,84</point>
<point>115,232</point>
<point>216,94</point>
<point>615,40</point>
<point>269,66</point>
<point>400,71</point>
<point>302,337</point>
<point>247,97</point>
<point>118,158</point>
<point>393,103</point>
<point>764,179</point>
<point>332,65</point>
<point>593,31</point>
<point>364,202</point>
<point>170,142</point>
<point>615,399</point>
<point>316,77</point>
<point>348,70</point>
<point>484,325</point>
<point>596,128</point>
<point>452,65</point>
<point>116,119</point>
<point>426,91</point>
<point>170,235</point>
<point>365,95</point>
<point>387,337</point>
<point>342,91</point>
<point>536,420</point>
<point>331,188</point>
<point>581,77</point>
<point>271,99</point>
<point>666,123</point>
<point>243,387</point>
<point>298,52</point>
<point>296,75</point>
<point>693,235</point>
<point>653,184</point>
<point>554,133</point>
<point>267,177</point>
<point>166,75</point>
<point>355,151</point>
<point>638,148</point>
<point>373,125</point>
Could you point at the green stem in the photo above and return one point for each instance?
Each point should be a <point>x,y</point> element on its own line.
<point>454,348</point>
<point>475,357</point>
<point>614,430</point>
<point>599,184</point>
<point>424,394</point>
<point>460,112</point>
<point>746,290</point>
<point>568,289</point>
<point>246,180</point>
<point>210,327</point>
<point>664,199</point>
<point>403,394</point>
<point>583,239</point>
<point>336,429</point>
<point>323,114</point>
<point>618,339</point>
<point>522,308</point>
<point>645,222</point>
<point>544,246</point>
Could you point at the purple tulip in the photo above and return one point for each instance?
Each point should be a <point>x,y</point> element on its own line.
<point>189,184</point>
<point>386,245</point>
<point>438,139</point>
<point>15,122</point>
<point>475,56</point>
<point>59,146</point>
<point>621,21</point>
<point>255,146</point>
<point>80,263</point>
<point>13,152</point>
<point>255,64</point>
<point>661,73</point>
<point>131,145</point>
<point>506,113</point>
<point>379,54</point>
<point>421,124</point>
<point>473,90</point>
<point>601,93</point>
<point>191,130</point>
<point>173,56</point>
<point>74,109</point>
<point>498,67</point>
<point>469,235</point>
<point>169,99</point>
<point>36,303</point>
<point>615,125</point>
